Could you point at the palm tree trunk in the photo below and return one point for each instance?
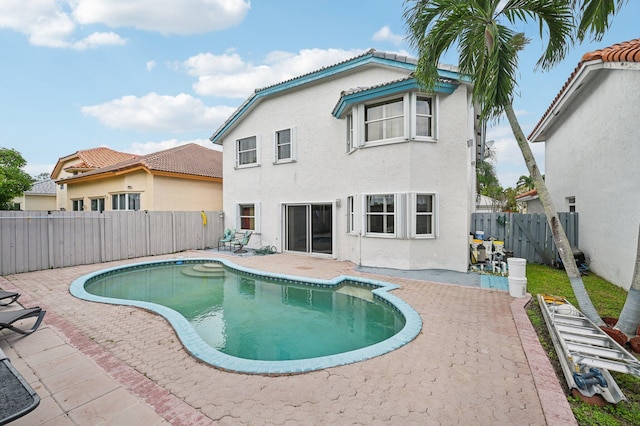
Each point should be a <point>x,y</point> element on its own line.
<point>559,236</point>
<point>630,315</point>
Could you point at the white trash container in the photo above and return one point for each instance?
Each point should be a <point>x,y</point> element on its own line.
<point>517,267</point>
<point>517,287</point>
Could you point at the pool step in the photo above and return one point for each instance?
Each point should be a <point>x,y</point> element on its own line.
<point>205,270</point>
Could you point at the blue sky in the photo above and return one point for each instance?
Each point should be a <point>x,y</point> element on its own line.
<point>138,78</point>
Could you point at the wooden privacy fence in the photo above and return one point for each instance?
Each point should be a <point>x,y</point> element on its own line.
<point>528,236</point>
<point>37,240</point>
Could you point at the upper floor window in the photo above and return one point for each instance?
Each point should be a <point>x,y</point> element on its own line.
<point>384,120</point>
<point>380,214</point>
<point>410,116</point>
<point>246,151</point>
<point>424,116</point>
<point>350,135</point>
<point>571,204</point>
<point>129,201</point>
<point>284,143</point>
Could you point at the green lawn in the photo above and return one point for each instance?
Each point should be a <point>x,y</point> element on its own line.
<point>608,300</point>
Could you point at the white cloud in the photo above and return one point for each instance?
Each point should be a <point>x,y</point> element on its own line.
<point>228,75</point>
<point>151,65</point>
<point>167,17</point>
<point>154,112</point>
<point>35,169</point>
<point>142,148</point>
<point>99,39</point>
<point>509,162</point>
<point>385,34</point>
<point>54,23</point>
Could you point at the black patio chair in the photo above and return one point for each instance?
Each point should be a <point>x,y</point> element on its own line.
<point>11,295</point>
<point>18,397</point>
<point>9,317</point>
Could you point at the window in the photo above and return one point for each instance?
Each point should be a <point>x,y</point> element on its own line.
<point>350,135</point>
<point>247,217</point>
<point>380,214</point>
<point>284,141</point>
<point>97,205</point>
<point>351,214</point>
<point>409,117</point>
<point>424,117</point>
<point>384,120</point>
<point>571,204</point>
<point>129,201</point>
<point>246,151</point>
<point>424,211</point>
<point>77,205</point>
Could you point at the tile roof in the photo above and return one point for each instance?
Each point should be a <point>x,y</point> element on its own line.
<point>532,193</point>
<point>100,157</point>
<point>43,187</point>
<point>189,159</point>
<point>628,51</point>
<point>93,158</point>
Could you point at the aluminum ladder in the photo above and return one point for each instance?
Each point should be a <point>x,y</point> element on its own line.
<point>586,353</point>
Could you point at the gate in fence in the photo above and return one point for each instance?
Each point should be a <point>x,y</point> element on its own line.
<point>37,240</point>
<point>527,236</point>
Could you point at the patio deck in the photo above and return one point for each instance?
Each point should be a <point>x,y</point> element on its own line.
<point>476,361</point>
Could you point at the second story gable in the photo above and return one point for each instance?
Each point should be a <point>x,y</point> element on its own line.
<point>368,101</point>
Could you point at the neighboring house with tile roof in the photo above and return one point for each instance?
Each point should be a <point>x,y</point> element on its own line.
<point>185,178</point>
<point>83,161</point>
<point>592,156</point>
<point>41,196</point>
<point>355,162</point>
<point>529,202</point>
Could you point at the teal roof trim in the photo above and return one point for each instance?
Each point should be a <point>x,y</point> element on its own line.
<point>371,57</point>
<point>386,90</point>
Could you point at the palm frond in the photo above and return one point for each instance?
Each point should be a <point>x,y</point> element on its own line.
<point>595,17</point>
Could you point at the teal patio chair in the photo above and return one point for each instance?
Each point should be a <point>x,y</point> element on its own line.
<point>241,242</point>
<point>227,238</point>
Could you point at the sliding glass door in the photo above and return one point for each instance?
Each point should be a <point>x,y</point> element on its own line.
<point>308,228</point>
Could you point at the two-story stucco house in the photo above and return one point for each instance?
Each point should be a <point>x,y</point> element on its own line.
<point>592,151</point>
<point>354,161</point>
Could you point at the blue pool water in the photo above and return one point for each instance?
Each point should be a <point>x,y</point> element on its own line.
<point>244,320</point>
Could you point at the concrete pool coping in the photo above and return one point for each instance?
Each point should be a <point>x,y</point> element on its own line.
<point>201,350</point>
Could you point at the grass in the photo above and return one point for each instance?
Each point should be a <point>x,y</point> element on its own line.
<point>608,300</point>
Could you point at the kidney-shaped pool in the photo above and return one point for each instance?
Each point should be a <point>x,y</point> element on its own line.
<point>249,321</point>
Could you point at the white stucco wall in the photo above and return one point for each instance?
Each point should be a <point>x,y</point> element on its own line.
<point>593,154</point>
<point>324,172</point>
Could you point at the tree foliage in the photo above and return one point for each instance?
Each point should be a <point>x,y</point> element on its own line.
<point>13,180</point>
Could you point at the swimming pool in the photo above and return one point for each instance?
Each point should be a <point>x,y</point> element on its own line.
<point>213,306</point>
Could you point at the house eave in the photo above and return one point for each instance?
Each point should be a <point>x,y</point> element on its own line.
<point>565,98</point>
<point>369,58</point>
<point>386,90</point>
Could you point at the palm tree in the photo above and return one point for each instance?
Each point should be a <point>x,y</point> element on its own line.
<point>630,315</point>
<point>488,51</point>
<point>525,183</point>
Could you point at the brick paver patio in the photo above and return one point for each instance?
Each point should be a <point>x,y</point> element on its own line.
<point>477,361</point>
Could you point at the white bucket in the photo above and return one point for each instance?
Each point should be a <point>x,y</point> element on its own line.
<point>479,235</point>
<point>517,287</point>
<point>517,267</point>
